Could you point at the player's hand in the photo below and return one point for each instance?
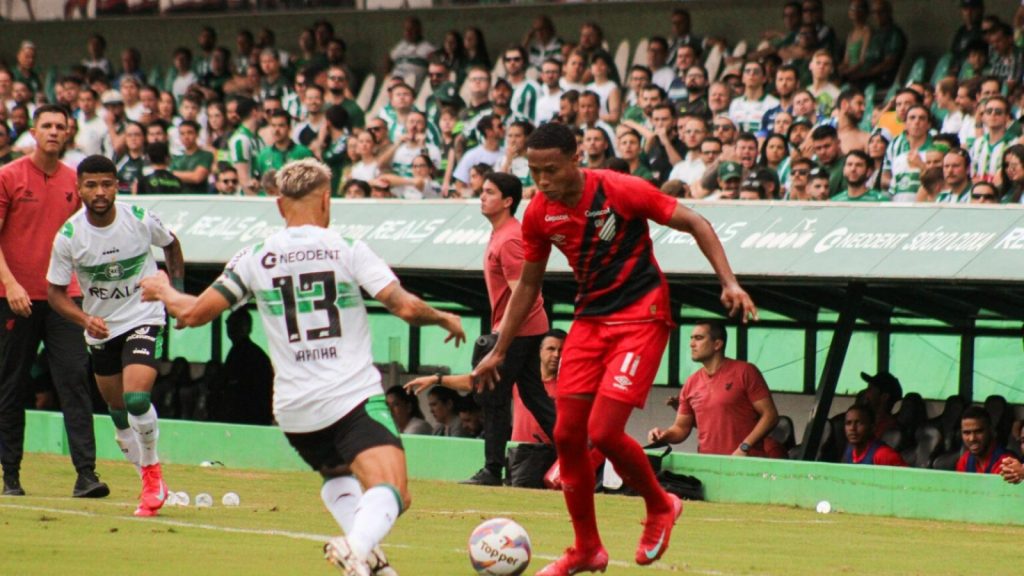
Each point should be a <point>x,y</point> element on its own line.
<point>673,402</point>
<point>655,435</point>
<point>453,324</point>
<point>737,301</point>
<point>96,328</point>
<point>154,286</point>
<point>18,299</point>
<point>420,384</point>
<point>1012,470</point>
<point>738,452</point>
<point>485,375</point>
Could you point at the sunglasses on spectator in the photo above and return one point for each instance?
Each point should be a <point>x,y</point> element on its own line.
<point>724,127</point>
<point>437,74</point>
<point>230,181</point>
<point>374,128</point>
<point>995,111</point>
<point>420,165</point>
<point>513,59</point>
<point>800,172</point>
<point>711,152</point>
<point>978,196</point>
<point>336,78</point>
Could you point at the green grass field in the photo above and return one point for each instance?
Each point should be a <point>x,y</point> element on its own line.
<point>281,525</point>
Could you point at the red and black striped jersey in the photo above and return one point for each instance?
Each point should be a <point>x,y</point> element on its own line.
<point>607,242</point>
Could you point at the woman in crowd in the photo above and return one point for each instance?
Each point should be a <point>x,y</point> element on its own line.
<point>420,186</point>
<point>444,407</point>
<point>476,48</point>
<point>858,39</point>
<point>1013,174</point>
<point>217,130</point>
<point>405,409</point>
<point>453,54</point>
<point>366,168</point>
<point>877,144</point>
<point>605,88</point>
<point>356,189</point>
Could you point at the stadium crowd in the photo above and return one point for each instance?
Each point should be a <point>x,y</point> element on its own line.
<point>805,115</point>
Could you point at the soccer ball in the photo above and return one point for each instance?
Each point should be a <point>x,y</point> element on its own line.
<point>499,547</point>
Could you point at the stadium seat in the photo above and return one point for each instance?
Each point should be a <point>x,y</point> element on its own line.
<point>499,69</point>
<point>916,73</point>
<point>946,461</point>
<point>1002,418</point>
<point>622,58</point>
<point>834,445</point>
<point>740,50</point>
<point>941,68</point>
<point>365,95</point>
<point>783,433</point>
<point>949,423</point>
<point>425,91</point>
<point>928,442</point>
<point>912,413</point>
<point>640,53</point>
<point>892,92</point>
<point>154,78</point>
<point>713,63</point>
<point>894,438</point>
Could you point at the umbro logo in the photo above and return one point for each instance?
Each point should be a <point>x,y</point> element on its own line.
<point>622,382</point>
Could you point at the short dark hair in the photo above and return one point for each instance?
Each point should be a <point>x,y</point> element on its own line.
<point>361,184</point>
<point>486,123</point>
<point>50,109</point>
<point>281,114</point>
<point>824,132</point>
<point>96,164</point>
<point>189,124</point>
<point>246,107</point>
<point>162,124</point>
<point>337,116</point>
<point>868,160</point>
<point>977,413</point>
<point>641,68</point>
<point>526,125</point>
<point>866,412</point>
<point>716,330</point>
<point>401,394</point>
<point>509,186</point>
<point>556,333</point>
<point>847,95</point>
<point>553,135</point>
<point>158,152</point>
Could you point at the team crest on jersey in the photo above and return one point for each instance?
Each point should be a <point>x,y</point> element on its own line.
<point>607,232</point>
<point>115,271</point>
<point>558,238</point>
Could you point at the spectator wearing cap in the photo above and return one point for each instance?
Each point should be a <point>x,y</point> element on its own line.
<point>818,184</point>
<point>550,92</point>
<point>971,12</point>
<point>956,177</point>
<point>799,133</point>
<point>982,454</point>
<point>862,446</point>
<point>524,90</point>
<point>829,156</point>
<point>856,170</point>
<point>748,110</point>
<point>730,174</point>
<point>883,392</point>
<point>409,57</point>
<point>115,120</point>
<point>25,67</point>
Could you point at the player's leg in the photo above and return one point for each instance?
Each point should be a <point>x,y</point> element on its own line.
<point>19,343</point>
<point>112,391</point>
<point>139,355</point>
<point>69,365</point>
<point>632,367</point>
<point>579,378</point>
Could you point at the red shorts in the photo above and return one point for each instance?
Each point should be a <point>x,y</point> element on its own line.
<point>618,361</point>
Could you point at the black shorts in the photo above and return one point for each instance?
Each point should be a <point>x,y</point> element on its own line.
<point>143,345</point>
<point>367,426</point>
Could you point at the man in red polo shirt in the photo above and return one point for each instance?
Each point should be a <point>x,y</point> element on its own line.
<point>524,425</point>
<point>37,195</point>
<point>503,262</point>
<point>983,454</point>
<point>728,400</point>
<point>861,445</point>
<point>599,220</point>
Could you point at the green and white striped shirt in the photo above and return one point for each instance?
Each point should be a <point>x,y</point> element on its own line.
<point>245,147</point>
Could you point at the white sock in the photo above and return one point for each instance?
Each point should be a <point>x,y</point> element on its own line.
<point>341,495</point>
<point>146,433</point>
<point>129,447</point>
<point>375,515</point>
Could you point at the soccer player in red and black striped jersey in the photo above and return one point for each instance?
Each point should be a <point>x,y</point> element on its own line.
<point>598,219</point>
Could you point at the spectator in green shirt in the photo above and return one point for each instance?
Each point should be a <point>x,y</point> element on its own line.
<point>193,166</point>
<point>856,170</point>
<point>629,150</point>
<point>160,180</point>
<point>284,149</point>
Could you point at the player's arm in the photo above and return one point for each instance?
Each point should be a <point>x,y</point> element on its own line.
<point>58,298</point>
<point>457,382</point>
<point>198,175</point>
<point>190,311</point>
<point>674,434</point>
<point>17,297</point>
<point>175,262</point>
<point>416,312</point>
<point>768,417</point>
<point>523,297</point>
<point>735,299</point>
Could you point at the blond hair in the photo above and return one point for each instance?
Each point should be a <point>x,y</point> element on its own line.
<point>299,178</point>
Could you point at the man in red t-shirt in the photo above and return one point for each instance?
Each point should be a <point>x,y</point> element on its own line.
<point>503,264</point>
<point>524,425</point>
<point>983,454</point>
<point>37,195</point>
<point>882,394</point>
<point>728,400</point>
<point>862,447</point>
<point>598,219</point>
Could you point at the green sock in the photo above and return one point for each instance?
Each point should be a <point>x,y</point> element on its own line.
<point>137,403</point>
<point>120,417</point>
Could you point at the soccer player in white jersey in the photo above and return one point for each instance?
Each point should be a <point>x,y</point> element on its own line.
<point>328,400</point>
<point>107,245</point>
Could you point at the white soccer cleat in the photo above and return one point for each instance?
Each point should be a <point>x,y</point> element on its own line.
<point>340,554</point>
<point>379,563</point>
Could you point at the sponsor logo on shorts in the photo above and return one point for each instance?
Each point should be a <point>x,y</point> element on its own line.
<point>630,364</point>
<point>138,336</point>
<point>556,217</point>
